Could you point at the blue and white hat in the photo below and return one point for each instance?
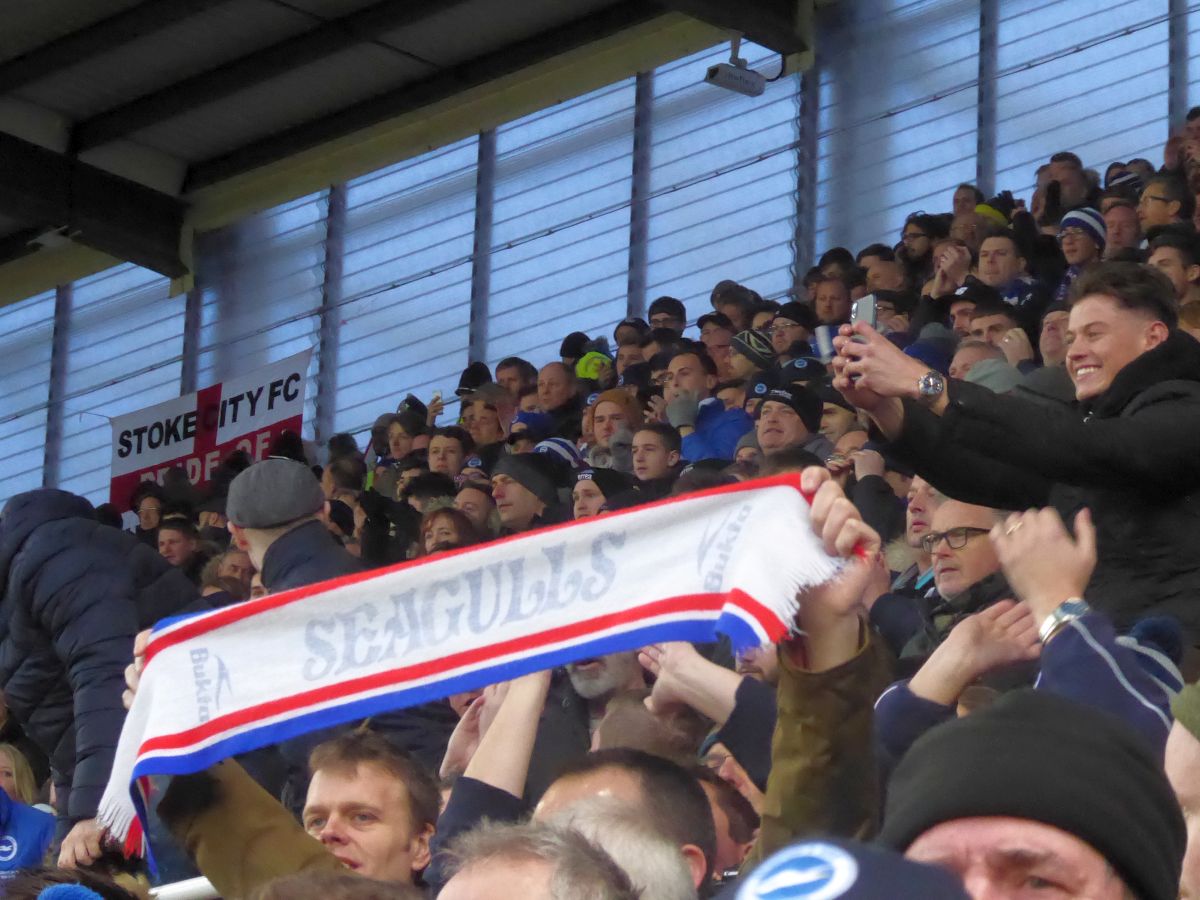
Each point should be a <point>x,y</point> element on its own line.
<point>829,869</point>
<point>563,449</point>
<point>1089,220</point>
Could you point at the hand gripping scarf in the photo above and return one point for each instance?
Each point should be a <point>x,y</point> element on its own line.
<point>726,561</point>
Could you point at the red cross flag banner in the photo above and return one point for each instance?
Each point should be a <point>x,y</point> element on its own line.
<point>197,431</point>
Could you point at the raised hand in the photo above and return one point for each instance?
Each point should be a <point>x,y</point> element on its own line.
<point>830,614</point>
<point>876,364</point>
<point>1003,634</point>
<point>867,462</point>
<point>1016,346</point>
<point>464,740</point>
<point>1044,565</point>
<point>667,662</point>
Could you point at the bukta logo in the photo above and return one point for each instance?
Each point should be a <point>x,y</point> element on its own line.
<point>213,682</point>
<point>716,546</point>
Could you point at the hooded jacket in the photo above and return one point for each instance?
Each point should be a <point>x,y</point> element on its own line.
<point>75,593</point>
<point>25,835</point>
<point>717,433</point>
<point>1132,456</point>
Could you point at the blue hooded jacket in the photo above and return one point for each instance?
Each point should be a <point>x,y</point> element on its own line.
<point>25,835</point>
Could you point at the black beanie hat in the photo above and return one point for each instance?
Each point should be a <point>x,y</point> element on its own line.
<point>977,292</point>
<point>805,403</point>
<point>800,313</point>
<point>756,347</point>
<point>539,473</point>
<point>610,481</point>
<point>1034,755</point>
<point>574,345</point>
<point>474,376</point>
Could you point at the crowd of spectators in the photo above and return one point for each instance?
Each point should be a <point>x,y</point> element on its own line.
<point>997,418</point>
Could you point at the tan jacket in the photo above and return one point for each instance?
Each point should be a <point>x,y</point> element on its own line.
<point>824,780</point>
<point>239,836</point>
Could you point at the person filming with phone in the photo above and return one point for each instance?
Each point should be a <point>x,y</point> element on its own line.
<point>1129,449</point>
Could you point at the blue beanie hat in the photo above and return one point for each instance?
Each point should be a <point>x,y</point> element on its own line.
<point>1090,221</point>
<point>930,353</point>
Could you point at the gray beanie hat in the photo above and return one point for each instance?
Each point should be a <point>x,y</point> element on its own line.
<point>994,374</point>
<point>272,493</point>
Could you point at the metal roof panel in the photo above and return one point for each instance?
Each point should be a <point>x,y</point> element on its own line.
<point>306,92</point>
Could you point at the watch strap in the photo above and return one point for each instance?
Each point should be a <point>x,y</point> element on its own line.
<point>1061,616</point>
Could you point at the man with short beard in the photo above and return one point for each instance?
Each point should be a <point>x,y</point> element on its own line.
<point>599,679</point>
<point>574,708</point>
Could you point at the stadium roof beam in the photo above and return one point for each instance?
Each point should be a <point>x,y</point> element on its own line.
<point>50,192</point>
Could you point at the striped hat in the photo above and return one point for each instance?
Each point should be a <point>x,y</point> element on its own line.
<point>1089,220</point>
<point>756,347</point>
<point>563,449</point>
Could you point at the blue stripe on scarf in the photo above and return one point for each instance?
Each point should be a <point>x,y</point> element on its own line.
<point>738,631</point>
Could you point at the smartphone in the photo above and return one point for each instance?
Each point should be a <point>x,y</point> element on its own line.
<point>437,395</point>
<point>864,310</point>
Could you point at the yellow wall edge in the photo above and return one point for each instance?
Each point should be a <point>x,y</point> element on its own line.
<point>46,269</point>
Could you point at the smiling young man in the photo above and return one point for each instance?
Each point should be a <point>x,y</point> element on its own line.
<point>1130,451</point>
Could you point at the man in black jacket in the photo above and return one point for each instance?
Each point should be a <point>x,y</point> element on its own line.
<point>75,593</point>
<point>1130,451</point>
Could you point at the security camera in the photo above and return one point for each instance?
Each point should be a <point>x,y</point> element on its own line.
<point>736,75</point>
<point>736,78</point>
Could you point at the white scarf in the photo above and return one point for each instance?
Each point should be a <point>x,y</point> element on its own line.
<point>726,561</point>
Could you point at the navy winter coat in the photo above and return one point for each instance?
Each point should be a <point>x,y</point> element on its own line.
<point>73,594</point>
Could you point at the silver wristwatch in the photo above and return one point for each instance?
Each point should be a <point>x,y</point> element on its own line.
<point>1063,614</point>
<point>930,386</point>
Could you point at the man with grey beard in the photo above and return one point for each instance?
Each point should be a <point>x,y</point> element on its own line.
<point>599,679</point>
<point>574,708</point>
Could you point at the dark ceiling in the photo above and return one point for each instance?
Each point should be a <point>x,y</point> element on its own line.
<point>113,111</point>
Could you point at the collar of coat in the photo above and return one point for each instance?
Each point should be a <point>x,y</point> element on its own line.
<point>294,549</point>
<point>1175,359</point>
<point>983,593</point>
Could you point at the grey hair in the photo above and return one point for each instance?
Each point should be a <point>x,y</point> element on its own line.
<point>652,861</point>
<point>582,871</point>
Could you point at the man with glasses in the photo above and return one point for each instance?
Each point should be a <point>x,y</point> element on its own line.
<point>1081,234</point>
<point>966,571</point>
<point>794,322</point>
<point>147,502</point>
<point>668,313</point>
<point>920,232</point>
<point>1165,200</point>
